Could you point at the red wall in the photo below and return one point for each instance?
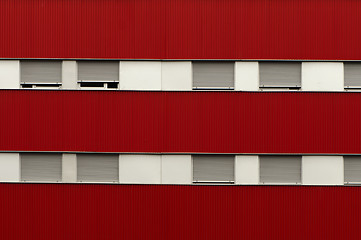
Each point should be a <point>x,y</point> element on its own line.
<point>80,211</point>
<point>181,29</point>
<point>224,122</point>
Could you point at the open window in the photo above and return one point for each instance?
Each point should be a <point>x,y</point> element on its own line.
<point>98,75</point>
<point>352,76</point>
<point>39,74</point>
<point>352,168</point>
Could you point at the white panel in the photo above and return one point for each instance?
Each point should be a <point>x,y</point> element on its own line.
<point>140,75</point>
<point>246,76</point>
<point>177,76</point>
<point>176,169</point>
<point>322,76</point>
<point>69,75</point>
<point>9,167</point>
<point>136,168</point>
<point>322,170</point>
<point>69,168</point>
<point>247,169</point>
<point>9,74</point>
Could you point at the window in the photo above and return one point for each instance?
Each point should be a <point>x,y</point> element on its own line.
<point>280,75</point>
<point>280,169</point>
<point>352,168</point>
<point>352,75</point>
<point>40,74</point>
<point>98,74</point>
<point>213,169</point>
<point>98,167</point>
<point>41,167</point>
<point>213,75</point>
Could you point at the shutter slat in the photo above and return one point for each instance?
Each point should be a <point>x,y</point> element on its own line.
<point>213,74</point>
<point>282,74</point>
<point>98,70</point>
<point>352,165</point>
<point>352,72</point>
<point>280,169</point>
<point>40,71</point>
<point>41,167</point>
<point>210,168</point>
<point>98,167</point>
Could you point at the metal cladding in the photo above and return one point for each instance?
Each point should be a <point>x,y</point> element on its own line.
<point>181,29</point>
<point>79,211</point>
<point>180,122</point>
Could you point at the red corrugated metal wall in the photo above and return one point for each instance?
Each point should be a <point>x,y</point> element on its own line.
<point>65,211</point>
<point>181,29</point>
<point>224,122</point>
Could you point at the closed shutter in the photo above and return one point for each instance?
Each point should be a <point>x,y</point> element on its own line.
<point>41,167</point>
<point>280,169</point>
<point>98,167</point>
<point>280,74</point>
<point>352,73</point>
<point>213,168</point>
<point>98,71</point>
<point>40,71</point>
<point>213,75</point>
<point>352,165</point>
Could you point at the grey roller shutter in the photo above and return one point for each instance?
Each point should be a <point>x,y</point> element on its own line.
<point>40,71</point>
<point>352,73</point>
<point>41,167</point>
<point>213,168</point>
<point>352,165</point>
<point>213,75</point>
<point>280,74</point>
<point>98,167</point>
<point>98,70</point>
<point>280,169</point>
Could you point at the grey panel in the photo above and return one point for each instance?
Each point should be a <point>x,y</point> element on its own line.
<point>280,169</point>
<point>41,166</point>
<point>40,71</point>
<point>283,74</point>
<point>213,74</point>
<point>352,165</point>
<point>352,73</point>
<point>213,168</point>
<point>98,167</point>
<point>98,70</point>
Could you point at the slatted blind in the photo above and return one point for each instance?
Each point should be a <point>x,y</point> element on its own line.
<point>352,72</point>
<point>352,168</point>
<point>98,70</point>
<point>280,169</point>
<point>98,167</point>
<point>41,167</point>
<point>213,74</point>
<point>213,168</point>
<point>280,74</point>
<point>39,71</point>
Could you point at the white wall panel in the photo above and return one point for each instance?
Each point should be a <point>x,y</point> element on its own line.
<point>177,76</point>
<point>322,76</point>
<point>247,169</point>
<point>140,75</point>
<point>246,76</point>
<point>69,169</point>
<point>9,167</point>
<point>322,170</point>
<point>176,169</point>
<point>69,75</point>
<point>9,74</point>
<point>136,168</point>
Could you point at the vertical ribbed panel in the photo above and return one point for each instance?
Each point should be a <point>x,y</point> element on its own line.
<point>280,74</point>
<point>97,167</point>
<point>280,169</point>
<point>352,168</point>
<point>213,168</point>
<point>98,70</point>
<point>213,74</point>
<point>39,71</point>
<point>182,29</point>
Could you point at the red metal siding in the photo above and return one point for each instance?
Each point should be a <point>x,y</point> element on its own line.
<point>224,122</point>
<point>64,211</point>
<point>181,29</point>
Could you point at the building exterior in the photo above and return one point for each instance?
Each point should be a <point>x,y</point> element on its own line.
<point>180,119</point>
